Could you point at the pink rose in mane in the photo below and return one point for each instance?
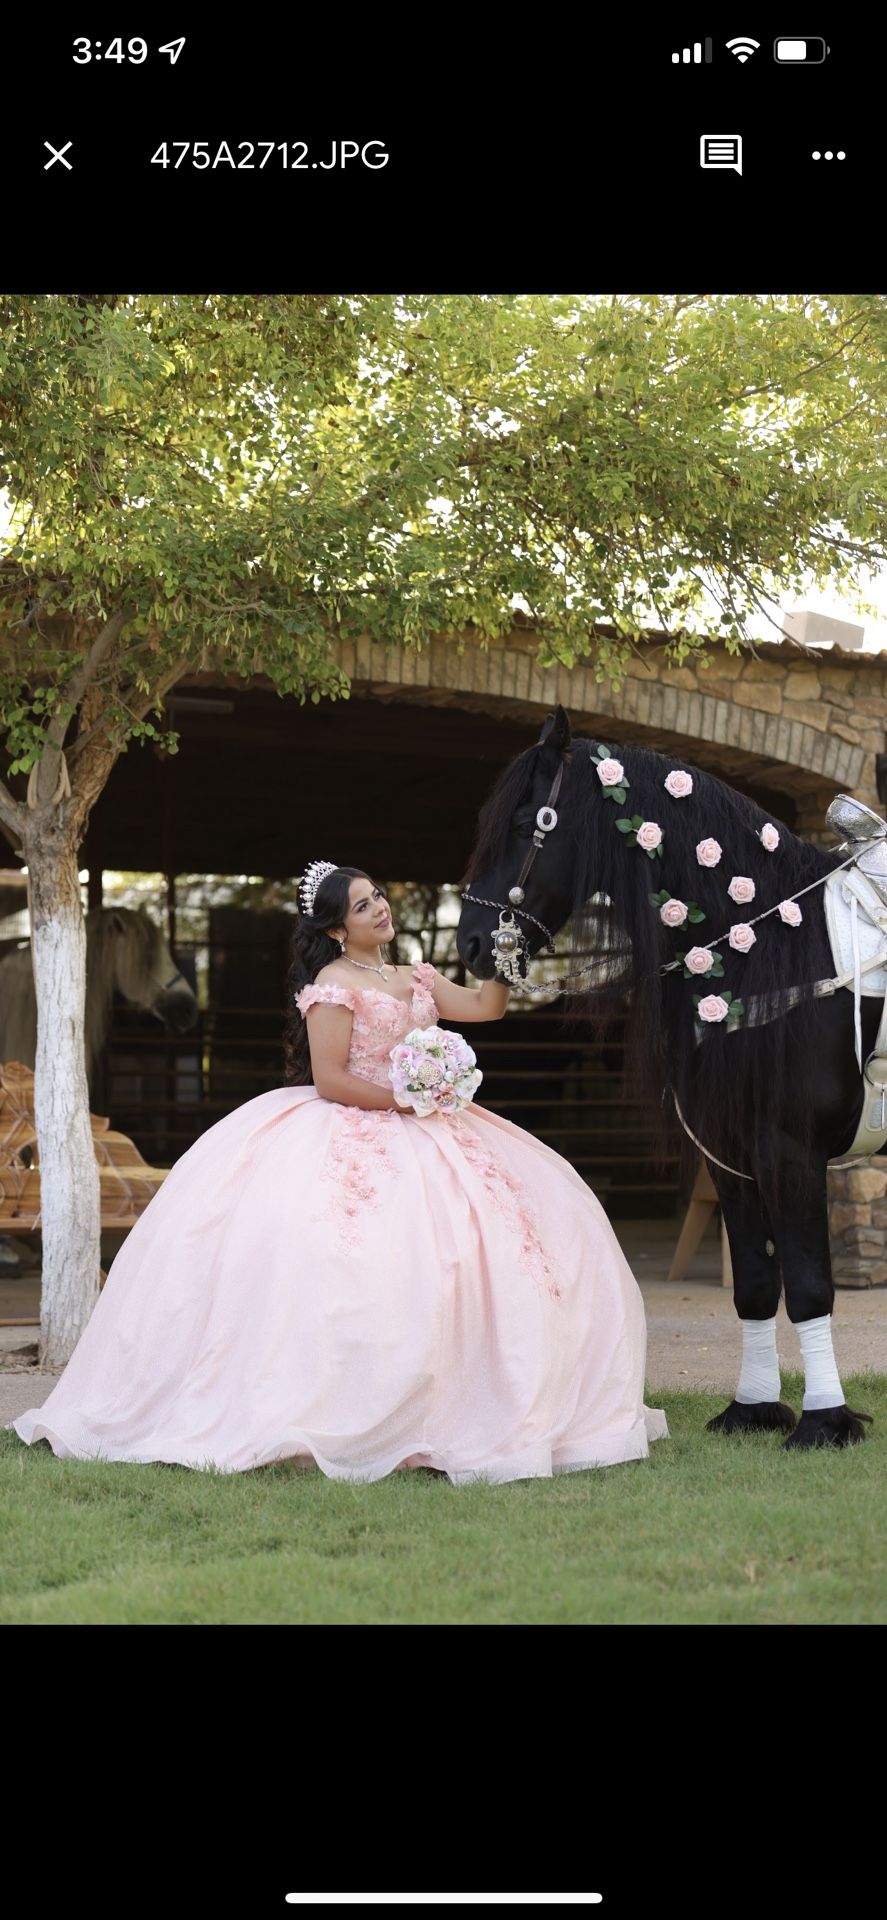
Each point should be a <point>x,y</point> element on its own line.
<point>649,835</point>
<point>708,853</point>
<point>699,960</point>
<point>790,912</point>
<point>610,773</point>
<point>742,937</point>
<point>679,785</point>
<point>769,838</point>
<point>713,1008</point>
<point>741,889</point>
<point>673,914</point>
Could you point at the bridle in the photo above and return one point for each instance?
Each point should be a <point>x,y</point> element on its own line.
<point>510,948</point>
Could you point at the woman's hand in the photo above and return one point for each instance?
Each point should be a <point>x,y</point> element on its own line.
<point>486,1002</point>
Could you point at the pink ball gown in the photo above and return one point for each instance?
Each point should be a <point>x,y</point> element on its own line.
<point>363,1290</point>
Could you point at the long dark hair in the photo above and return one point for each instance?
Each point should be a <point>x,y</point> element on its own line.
<point>312,948</point>
<point>734,1088</point>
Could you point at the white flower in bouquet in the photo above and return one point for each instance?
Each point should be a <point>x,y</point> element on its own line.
<point>434,1072</point>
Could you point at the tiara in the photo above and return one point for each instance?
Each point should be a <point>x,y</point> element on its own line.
<point>310,882</point>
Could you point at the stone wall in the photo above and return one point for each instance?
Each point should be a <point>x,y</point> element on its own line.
<point>858,1224</point>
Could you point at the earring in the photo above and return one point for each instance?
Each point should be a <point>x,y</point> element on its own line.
<point>343,943</point>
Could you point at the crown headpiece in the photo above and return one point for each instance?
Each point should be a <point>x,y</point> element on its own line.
<point>310,882</point>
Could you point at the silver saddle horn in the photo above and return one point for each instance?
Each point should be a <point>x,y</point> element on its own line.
<point>866,833</point>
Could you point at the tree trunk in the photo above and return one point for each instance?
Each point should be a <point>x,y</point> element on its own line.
<point>69,1175</point>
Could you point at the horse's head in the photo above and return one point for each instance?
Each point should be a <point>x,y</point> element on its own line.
<point>137,962</point>
<point>524,863</point>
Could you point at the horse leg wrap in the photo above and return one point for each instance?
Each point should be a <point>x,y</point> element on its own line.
<point>822,1385</point>
<point>759,1377</point>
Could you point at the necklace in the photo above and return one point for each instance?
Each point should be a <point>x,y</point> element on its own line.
<point>366,966</point>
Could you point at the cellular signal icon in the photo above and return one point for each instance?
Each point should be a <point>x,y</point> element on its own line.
<point>742,47</point>
<point>692,56</point>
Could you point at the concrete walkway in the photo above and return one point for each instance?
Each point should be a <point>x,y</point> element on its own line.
<point>692,1331</point>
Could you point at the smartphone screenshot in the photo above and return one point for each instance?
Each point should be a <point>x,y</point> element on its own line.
<point>443,1078</point>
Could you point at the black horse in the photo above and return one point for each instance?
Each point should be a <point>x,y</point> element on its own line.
<point>765,1079</point>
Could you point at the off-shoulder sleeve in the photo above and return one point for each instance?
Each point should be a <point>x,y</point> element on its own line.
<point>425,974</point>
<point>328,996</point>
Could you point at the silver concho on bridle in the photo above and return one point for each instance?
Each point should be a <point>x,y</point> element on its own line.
<point>510,948</point>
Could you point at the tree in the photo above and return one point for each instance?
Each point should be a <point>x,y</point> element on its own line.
<point>237,480</point>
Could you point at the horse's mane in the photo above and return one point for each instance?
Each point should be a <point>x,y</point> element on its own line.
<point>781,956</point>
<point>729,1077</point>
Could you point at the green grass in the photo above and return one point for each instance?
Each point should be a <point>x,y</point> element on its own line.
<point>707,1530</point>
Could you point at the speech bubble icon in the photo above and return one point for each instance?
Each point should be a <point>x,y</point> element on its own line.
<point>721,150</point>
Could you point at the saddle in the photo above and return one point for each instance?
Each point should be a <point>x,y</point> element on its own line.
<point>855,901</point>
<point>856,918</point>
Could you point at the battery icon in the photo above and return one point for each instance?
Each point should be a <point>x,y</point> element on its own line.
<point>800,53</point>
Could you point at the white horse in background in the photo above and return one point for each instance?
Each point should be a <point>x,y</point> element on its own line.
<point>125,951</point>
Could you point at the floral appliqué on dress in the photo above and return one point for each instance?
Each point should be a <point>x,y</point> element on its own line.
<point>509,1198</point>
<point>359,1153</point>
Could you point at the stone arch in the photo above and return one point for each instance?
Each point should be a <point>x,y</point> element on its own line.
<point>506,679</point>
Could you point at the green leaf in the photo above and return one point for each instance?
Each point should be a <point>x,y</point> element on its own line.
<point>625,826</point>
<point>266,475</point>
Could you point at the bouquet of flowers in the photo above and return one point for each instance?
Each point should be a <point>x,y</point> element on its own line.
<point>434,1072</point>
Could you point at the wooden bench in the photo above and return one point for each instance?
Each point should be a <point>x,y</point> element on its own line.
<point>126,1181</point>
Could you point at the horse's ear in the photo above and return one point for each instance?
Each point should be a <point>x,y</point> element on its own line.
<point>116,920</point>
<point>556,731</point>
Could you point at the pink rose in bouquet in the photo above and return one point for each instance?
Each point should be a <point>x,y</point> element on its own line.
<point>433,1072</point>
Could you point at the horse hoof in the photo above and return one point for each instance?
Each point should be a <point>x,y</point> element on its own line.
<point>763,1417</point>
<point>828,1427</point>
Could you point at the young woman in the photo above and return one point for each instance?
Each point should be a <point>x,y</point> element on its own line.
<point>328,1278</point>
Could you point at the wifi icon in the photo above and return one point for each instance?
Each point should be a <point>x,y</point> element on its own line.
<point>742,47</point>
